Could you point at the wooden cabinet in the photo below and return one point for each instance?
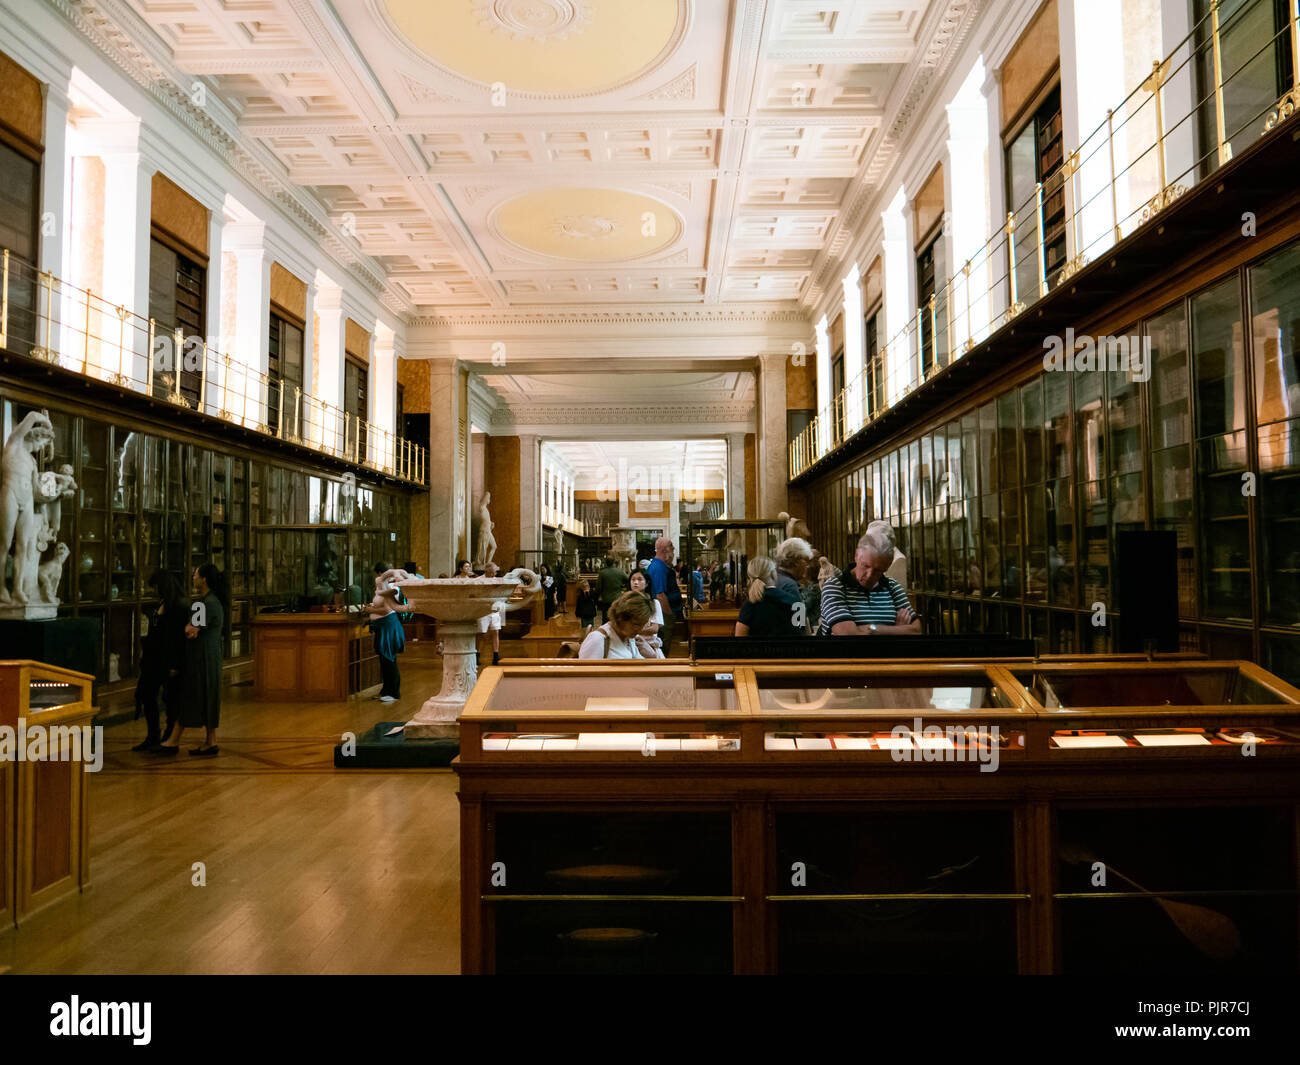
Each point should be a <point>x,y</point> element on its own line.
<point>46,749</point>
<point>307,656</point>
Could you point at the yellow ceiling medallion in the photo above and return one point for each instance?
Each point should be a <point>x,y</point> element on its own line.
<point>587,225</point>
<point>545,48</point>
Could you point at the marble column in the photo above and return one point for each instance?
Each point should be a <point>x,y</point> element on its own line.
<point>966,191</point>
<point>449,474</point>
<point>773,446</point>
<point>530,486</point>
<point>736,476</point>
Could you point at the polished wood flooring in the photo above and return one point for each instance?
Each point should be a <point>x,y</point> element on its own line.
<point>309,869</point>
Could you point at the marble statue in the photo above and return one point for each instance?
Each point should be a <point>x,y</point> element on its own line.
<point>795,527</point>
<point>31,504</point>
<point>487,543</point>
<point>559,543</point>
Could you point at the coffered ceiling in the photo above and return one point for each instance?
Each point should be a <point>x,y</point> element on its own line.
<point>511,155</point>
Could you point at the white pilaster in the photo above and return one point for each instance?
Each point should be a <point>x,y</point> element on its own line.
<point>995,297</point>
<point>245,389</point>
<point>965,176</point>
<point>326,382</point>
<point>853,326</point>
<point>898,266</point>
<point>383,393</point>
<point>1092,41</point>
<point>530,520</point>
<point>824,411</point>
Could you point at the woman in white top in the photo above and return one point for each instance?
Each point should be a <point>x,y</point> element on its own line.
<point>622,636</point>
<point>637,583</point>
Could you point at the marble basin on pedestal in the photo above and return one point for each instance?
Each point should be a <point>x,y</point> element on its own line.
<point>457,604</point>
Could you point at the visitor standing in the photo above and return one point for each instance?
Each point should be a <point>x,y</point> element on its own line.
<point>204,645</point>
<point>493,622</point>
<point>586,607</point>
<point>548,589</point>
<point>664,587</point>
<point>386,609</point>
<point>162,656</point>
<point>770,608</point>
<point>611,582</point>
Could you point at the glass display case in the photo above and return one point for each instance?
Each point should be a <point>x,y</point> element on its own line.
<point>915,817</point>
<point>726,547</point>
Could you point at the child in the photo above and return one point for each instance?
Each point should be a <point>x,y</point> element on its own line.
<point>586,607</point>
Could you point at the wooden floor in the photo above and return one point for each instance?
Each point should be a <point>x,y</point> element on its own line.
<point>309,869</point>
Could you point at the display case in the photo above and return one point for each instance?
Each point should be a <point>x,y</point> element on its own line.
<point>888,817</point>
<point>44,835</point>
<point>728,546</point>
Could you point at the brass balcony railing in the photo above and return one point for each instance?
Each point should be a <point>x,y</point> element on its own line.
<point>1115,181</point>
<point>51,321</point>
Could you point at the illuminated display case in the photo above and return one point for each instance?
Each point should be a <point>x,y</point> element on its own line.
<point>891,817</point>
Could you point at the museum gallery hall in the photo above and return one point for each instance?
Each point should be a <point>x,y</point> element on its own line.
<point>650,487</point>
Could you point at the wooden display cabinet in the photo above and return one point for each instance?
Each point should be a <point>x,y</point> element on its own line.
<point>44,829</point>
<point>887,817</point>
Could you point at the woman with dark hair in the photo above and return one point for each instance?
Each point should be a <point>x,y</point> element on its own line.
<point>464,568</point>
<point>161,658</point>
<point>204,644</point>
<point>548,590</point>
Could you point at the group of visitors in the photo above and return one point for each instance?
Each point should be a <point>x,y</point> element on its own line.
<point>180,661</point>
<point>788,597</point>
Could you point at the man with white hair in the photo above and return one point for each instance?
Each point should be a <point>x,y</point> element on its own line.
<point>792,558</point>
<point>661,579</point>
<point>864,600</point>
<point>898,568</point>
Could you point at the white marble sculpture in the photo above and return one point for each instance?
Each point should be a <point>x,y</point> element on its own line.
<point>487,543</point>
<point>31,504</point>
<point>559,542</point>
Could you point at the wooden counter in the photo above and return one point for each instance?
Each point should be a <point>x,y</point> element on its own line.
<point>714,621</point>
<point>44,828</point>
<point>312,656</point>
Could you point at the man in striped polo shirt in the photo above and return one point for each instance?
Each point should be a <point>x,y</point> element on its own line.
<point>863,601</point>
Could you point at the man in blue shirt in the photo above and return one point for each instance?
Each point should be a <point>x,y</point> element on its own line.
<point>697,583</point>
<point>662,581</point>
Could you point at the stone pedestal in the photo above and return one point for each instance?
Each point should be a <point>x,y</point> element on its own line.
<point>457,604</point>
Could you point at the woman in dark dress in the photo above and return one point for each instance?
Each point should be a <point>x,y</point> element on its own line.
<point>162,655</point>
<point>548,590</point>
<point>204,644</point>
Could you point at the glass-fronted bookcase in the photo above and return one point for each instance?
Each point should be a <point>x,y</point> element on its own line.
<point>146,502</point>
<point>1008,511</point>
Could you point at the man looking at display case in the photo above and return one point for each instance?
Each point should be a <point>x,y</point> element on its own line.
<point>863,601</point>
<point>662,579</point>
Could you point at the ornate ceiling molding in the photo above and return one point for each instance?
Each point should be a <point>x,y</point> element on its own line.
<point>681,87</point>
<point>952,29</point>
<point>426,94</point>
<point>570,414</point>
<point>647,316</point>
<point>102,24</point>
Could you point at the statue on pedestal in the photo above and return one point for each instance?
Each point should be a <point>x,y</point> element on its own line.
<point>487,543</point>
<point>31,511</point>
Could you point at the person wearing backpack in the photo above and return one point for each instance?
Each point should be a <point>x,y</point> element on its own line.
<point>620,636</point>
